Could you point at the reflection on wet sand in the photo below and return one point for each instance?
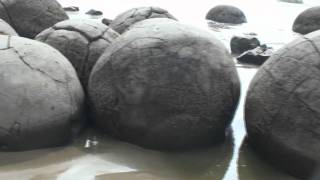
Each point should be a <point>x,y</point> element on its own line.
<point>111,159</point>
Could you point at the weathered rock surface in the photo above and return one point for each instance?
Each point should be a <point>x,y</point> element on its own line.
<point>282,107</point>
<point>174,87</point>
<point>81,41</point>
<point>71,9</point>
<point>106,21</point>
<point>307,21</point>
<point>123,21</point>
<point>30,17</point>
<point>240,44</point>
<point>226,14</point>
<point>41,98</point>
<point>256,56</point>
<point>6,29</point>
<point>94,12</point>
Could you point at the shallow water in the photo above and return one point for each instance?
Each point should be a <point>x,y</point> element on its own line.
<point>96,156</point>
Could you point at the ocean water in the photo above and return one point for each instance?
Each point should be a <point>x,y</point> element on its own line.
<point>95,156</point>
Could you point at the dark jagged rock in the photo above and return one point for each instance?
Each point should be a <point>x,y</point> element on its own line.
<point>71,9</point>
<point>123,21</point>
<point>174,87</point>
<point>6,29</point>
<point>226,14</point>
<point>307,21</point>
<point>282,108</point>
<point>94,12</point>
<point>106,21</point>
<point>30,17</point>
<point>240,44</point>
<point>81,41</point>
<point>256,56</point>
<point>41,98</point>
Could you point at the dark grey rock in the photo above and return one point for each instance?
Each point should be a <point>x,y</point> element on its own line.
<point>94,12</point>
<point>106,21</point>
<point>282,107</point>
<point>174,87</point>
<point>81,41</point>
<point>71,9</point>
<point>292,1</point>
<point>256,56</point>
<point>226,14</point>
<point>30,17</point>
<point>240,44</point>
<point>6,29</point>
<point>123,21</point>
<point>307,21</point>
<point>41,98</point>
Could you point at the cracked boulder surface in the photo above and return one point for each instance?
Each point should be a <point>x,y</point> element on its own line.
<point>307,21</point>
<point>165,85</point>
<point>226,14</point>
<point>81,41</point>
<point>30,17</point>
<point>282,110</point>
<point>6,29</point>
<point>41,98</point>
<point>126,19</point>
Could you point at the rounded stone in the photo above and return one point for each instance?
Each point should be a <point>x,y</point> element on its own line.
<point>165,85</point>
<point>41,98</point>
<point>283,107</point>
<point>30,17</point>
<point>123,21</point>
<point>226,14</point>
<point>6,29</point>
<point>307,21</point>
<point>81,41</point>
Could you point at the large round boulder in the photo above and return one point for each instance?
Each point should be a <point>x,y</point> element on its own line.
<point>123,21</point>
<point>226,14</point>
<point>307,21</point>
<point>6,29</point>
<point>81,41</point>
<point>41,98</point>
<point>30,17</point>
<point>165,85</point>
<point>283,107</point>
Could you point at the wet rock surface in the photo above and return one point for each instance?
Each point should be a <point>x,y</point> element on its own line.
<point>256,56</point>
<point>6,29</point>
<point>94,12</point>
<point>41,98</point>
<point>282,107</point>
<point>226,14</point>
<point>123,21</point>
<point>81,41</point>
<point>307,21</point>
<point>172,88</point>
<point>30,17</point>
<point>240,44</point>
<point>71,9</point>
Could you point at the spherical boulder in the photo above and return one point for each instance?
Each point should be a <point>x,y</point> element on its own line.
<point>41,98</point>
<point>30,17</point>
<point>6,29</point>
<point>165,85</point>
<point>81,41</point>
<point>307,21</point>
<point>226,14</point>
<point>283,107</point>
<point>123,21</point>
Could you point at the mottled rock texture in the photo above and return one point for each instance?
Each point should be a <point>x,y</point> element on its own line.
<point>165,85</point>
<point>6,29</point>
<point>81,41</point>
<point>307,21</point>
<point>226,14</point>
<point>123,21</point>
<point>41,98</point>
<point>30,17</point>
<point>282,110</point>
